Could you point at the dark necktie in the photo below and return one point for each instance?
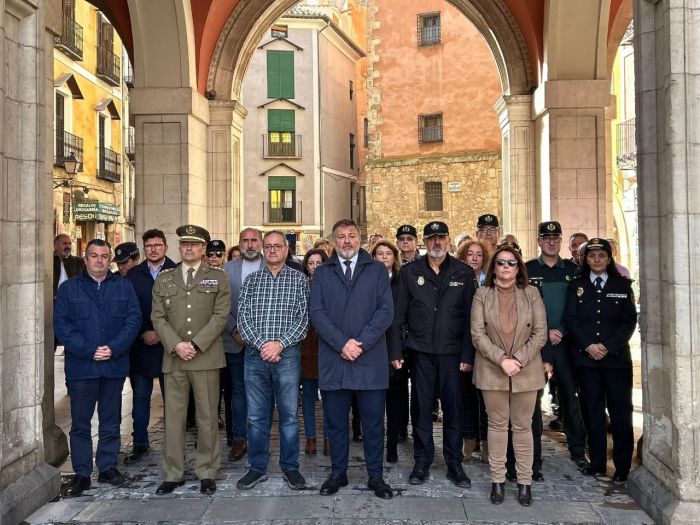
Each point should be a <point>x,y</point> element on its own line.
<point>348,271</point>
<point>599,284</point>
<point>190,277</point>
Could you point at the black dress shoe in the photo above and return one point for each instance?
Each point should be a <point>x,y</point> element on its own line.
<point>457,476</point>
<point>207,486</point>
<point>333,484</point>
<point>524,495</point>
<point>136,453</point>
<point>113,477</point>
<point>581,462</point>
<point>380,488</point>
<point>392,456</point>
<point>418,475</point>
<point>619,477</point>
<point>511,476</point>
<point>537,476</point>
<point>593,471</point>
<point>77,486</point>
<point>168,486</point>
<point>498,493</point>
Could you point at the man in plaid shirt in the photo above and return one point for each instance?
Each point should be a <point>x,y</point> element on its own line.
<point>273,321</point>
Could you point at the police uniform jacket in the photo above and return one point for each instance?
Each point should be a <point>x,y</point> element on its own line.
<point>435,309</point>
<point>194,314</point>
<point>530,337</point>
<point>608,317</point>
<point>146,360</point>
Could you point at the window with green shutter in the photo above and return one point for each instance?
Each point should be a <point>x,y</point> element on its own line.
<point>281,140</point>
<point>280,74</point>
<point>280,120</point>
<point>282,205</point>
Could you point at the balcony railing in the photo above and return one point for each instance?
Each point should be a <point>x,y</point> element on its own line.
<point>130,211</point>
<point>130,148</point>
<point>282,213</point>
<point>108,66</point>
<point>70,41</point>
<point>110,165</point>
<point>626,145</point>
<point>129,75</point>
<point>67,143</point>
<point>276,145</point>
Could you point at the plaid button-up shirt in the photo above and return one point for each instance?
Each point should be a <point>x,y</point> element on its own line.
<point>274,308</point>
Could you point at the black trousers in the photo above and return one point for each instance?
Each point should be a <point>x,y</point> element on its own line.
<point>397,404</point>
<point>611,387</point>
<point>475,422</point>
<point>537,429</point>
<point>569,407</point>
<point>428,371</point>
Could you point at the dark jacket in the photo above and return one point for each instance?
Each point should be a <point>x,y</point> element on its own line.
<point>435,308</point>
<point>146,360</point>
<point>86,316</point>
<point>608,317</point>
<point>362,310</point>
<point>74,265</point>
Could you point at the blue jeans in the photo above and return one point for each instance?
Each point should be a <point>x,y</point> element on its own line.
<point>239,407</point>
<point>142,388</point>
<point>106,393</point>
<point>309,394</point>
<point>262,381</point>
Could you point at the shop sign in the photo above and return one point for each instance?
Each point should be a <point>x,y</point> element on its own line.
<point>95,211</point>
<point>454,186</point>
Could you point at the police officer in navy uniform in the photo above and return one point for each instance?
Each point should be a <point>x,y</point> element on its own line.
<point>601,317</point>
<point>407,243</point>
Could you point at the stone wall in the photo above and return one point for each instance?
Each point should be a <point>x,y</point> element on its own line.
<point>395,191</point>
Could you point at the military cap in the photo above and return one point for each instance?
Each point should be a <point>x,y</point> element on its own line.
<point>435,228</point>
<point>125,251</point>
<point>597,243</point>
<point>192,233</point>
<point>487,220</point>
<point>406,229</point>
<point>548,228</point>
<point>216,246</point>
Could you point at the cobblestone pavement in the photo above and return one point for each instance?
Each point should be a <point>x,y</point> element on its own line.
<point>564,497</point>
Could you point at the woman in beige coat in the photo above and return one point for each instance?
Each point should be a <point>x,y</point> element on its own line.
<point>509,328</point>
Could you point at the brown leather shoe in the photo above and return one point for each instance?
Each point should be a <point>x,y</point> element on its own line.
<point>310,449</point>
<point>468,448</point>
<point>524,495</point>
<point>498,493</point>
<point>326,448</point>
<point>238,450</point>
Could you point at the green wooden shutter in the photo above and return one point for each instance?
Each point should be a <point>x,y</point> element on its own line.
<point>280,74</point>
<point>282,183</point>
<point>281,120</point>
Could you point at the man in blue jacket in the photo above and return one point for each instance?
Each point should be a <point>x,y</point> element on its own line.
<point>146,356</point>
<point>96,316</point>
<point>351,307</point>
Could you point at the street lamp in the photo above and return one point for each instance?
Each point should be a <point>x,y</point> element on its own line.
<point>70,164</point>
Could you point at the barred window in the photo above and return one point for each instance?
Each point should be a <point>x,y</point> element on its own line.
<point>430,128</point>
<point>429,29</point>
<point>433,196</point>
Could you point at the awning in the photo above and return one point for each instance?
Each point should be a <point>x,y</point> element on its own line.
<point>109,105</point>
<point>70,80</point>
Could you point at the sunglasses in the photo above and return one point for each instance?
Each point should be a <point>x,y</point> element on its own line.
<point>215,254</point>
<point>510,262</point>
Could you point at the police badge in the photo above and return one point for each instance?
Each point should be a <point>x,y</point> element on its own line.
<point>421,281</point>
<point>579,291</point>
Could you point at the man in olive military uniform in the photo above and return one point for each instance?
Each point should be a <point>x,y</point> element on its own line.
<point>191,303</point>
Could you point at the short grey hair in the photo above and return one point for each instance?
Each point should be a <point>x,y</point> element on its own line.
<point>276,232</point>
<point>240,235</point>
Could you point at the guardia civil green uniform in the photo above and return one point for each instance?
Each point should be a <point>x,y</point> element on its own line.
<point>196,313</point>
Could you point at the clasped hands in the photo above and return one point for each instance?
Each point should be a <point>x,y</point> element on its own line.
<point>511,366</point>
<point>103,353</point>
<point>352,350</point>
<point>597,351</point>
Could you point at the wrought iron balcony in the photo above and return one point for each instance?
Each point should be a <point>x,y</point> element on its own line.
<point>67,143</point>
<point>282,212</point>
<point>130,148</point>
<point>108,66</point>
<point>129,75</point>
<point>130,211</point>
<point>626,145</point>
<point>70,41</point>
<point>282,145</point>
<point>109,165</point>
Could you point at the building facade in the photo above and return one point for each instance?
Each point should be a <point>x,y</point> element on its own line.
<point>300,159</point>
<point>431,135</point>
<point>92,163</point>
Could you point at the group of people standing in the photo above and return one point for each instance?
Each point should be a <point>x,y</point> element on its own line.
<point>480,332</point>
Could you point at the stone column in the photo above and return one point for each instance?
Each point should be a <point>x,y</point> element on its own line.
<point>570,135</point>
<point>26,480</point>
<point>519,184</point>
<point>668,110</point>
<point>171,159</point>
<point>224,159</point>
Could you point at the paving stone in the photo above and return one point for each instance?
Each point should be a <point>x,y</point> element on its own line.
<point>540,512</point>
<point>399,508</point>
<point>154,510</point>
<point>629,513</point>
<point>250,509</point>
<point>58,511</point>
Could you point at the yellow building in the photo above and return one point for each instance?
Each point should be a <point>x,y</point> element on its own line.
<point>91,124</point>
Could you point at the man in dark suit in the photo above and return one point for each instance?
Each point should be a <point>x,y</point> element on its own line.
<point>146,356</point>
<point>65,265</point>
<point>351,307</point>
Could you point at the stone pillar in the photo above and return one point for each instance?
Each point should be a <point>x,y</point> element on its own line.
<point>26,480</point>
<point>171,158</point>
<point>520,212</point>
<point>224,159</point>
<point>667,67</point>
<point>570,136</point>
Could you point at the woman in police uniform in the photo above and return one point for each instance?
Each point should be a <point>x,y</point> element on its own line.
<point>601,318</point>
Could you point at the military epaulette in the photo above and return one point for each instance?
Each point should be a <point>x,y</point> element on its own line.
<point>166,270</point>
<point>216,268</point>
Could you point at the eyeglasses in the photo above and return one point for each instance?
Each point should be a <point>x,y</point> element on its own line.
<point>510,262</point>
<point>490,229</point>
<point>406,238</point>
<point>153,246</point>
<point>215,254</point>
<point>276,247</point>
